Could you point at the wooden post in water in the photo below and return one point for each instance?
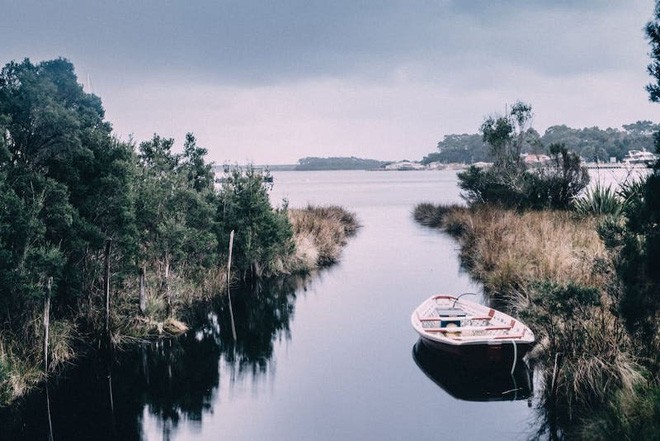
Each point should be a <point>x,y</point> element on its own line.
<point>231,311</point>
<point>49,287</point>
<point>106,287</point>
<point>112,401</point>
<point>168,294</point>
<point>50,420</point>
<point>143,294</point>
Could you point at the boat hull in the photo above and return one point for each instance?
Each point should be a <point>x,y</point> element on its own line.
<point>486,353</point>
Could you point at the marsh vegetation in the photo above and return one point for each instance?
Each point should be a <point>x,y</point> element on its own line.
<point>578,267</point>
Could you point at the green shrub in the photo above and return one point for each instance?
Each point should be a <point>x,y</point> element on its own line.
<point>510,183</point>
<point>495,185</point>
<point>554,186</point>
<point>599,200</point>
<point>635,242</point>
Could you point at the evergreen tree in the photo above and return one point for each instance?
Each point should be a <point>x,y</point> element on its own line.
<point>66,180</point>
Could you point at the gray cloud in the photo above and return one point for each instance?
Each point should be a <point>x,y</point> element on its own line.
<point>259,41</point>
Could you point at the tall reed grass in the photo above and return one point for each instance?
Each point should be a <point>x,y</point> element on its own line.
<point>22,365</point>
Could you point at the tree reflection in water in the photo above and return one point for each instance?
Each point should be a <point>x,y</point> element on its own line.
<point>262,316</point>
<point>171,380</point>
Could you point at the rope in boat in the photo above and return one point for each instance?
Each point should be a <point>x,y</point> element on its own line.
<point>513,342</point>
<point>464,294</point>
<point>515,356</point>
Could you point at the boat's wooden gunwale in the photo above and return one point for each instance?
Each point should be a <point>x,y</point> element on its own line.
<point>467,328</point>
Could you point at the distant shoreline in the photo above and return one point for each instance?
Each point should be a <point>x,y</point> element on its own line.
<point>449,166</point>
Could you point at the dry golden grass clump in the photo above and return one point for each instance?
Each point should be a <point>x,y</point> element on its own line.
<point>22,365</point>
<point>18,373</point>
<point>505,248</point>
<point>320,234</point>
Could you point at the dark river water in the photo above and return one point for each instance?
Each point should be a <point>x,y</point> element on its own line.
<point>329,357</point>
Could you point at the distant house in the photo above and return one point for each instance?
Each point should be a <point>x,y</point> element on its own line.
<point>533,159</point>
<point>436,166</point>
<point>405,165</point>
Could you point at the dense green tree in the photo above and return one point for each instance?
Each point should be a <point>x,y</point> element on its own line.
<point>262,234</point>
<point>67,186</point>
<point>591,143</point>
<point>641,128</point>
<point>29,213</point>
<point>69,180</point>
<point>175,209</point>
<point>653,34</point>
<point>199,173</point>
<point>637,240</point>
<point>338,163</point>
<point>49,116</point>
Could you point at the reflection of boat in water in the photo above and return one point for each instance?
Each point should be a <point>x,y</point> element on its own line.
<point>463,381</point>
<point>471,330</point>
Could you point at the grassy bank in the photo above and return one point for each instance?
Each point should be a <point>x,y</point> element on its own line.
<point>507,250</point>
<point>319,235</point>
<point>552,269</point>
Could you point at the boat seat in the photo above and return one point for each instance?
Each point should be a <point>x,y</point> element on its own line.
<point>450,312</point>
<point>450,316</point>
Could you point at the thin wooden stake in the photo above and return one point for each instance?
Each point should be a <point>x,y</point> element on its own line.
<point>49,287</point>
<point>143,294</point>
<point>107,287</point>
<point>553,383</point>
<point>231,311</point>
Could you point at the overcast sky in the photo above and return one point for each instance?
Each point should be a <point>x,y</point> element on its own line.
<point>275,81</point>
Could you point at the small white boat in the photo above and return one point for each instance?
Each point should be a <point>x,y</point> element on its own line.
<point>470,330</point>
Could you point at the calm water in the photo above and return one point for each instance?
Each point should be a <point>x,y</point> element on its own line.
<point>330,357</point>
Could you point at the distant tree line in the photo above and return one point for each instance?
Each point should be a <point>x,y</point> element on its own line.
<point>338,163</point>
<point>592,144</point>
